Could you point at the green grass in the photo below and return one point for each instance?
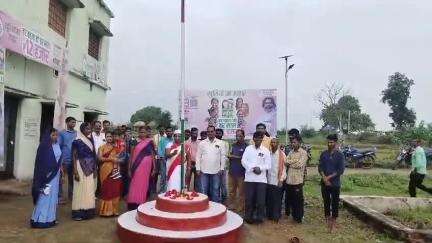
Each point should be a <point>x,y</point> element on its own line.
<point>351,229</point>
<point>383,184</point>
<point>386,153</point>
<point>419,218</point>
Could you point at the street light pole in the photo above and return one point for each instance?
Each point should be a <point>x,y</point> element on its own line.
<point>287,68</point>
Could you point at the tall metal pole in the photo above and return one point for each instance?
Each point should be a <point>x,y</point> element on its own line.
<point>286,101</point>
<point>182,93</point>
<point>287,68</point>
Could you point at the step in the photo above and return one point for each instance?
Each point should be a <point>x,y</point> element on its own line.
<point>213,217</point>
<point>182,205</point>
<point>130,231</point>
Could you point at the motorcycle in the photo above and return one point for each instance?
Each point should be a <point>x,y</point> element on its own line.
<point>405,154</point>
<point>359,158</point>
<point>404,157</point>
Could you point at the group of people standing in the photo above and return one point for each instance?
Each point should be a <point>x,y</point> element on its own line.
<point>95,162</point>
<point>107,164</point>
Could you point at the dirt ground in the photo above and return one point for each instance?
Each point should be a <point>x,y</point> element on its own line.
<point>15,212</point>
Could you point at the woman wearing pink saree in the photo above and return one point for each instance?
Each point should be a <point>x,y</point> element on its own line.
<point>141,168</point>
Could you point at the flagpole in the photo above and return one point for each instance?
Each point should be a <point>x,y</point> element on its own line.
<point>182,92</point>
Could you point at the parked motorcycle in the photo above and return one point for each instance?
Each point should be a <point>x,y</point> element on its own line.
<point>405,154</point>
<point>359,158</point>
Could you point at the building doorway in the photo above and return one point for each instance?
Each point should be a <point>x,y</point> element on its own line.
<point>47,118</point>
<point>11,104</point>
<point>90,117</point>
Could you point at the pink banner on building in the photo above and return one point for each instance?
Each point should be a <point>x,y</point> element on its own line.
<point>232,110</point>
<point>20,39</point>
<point>17,38</point>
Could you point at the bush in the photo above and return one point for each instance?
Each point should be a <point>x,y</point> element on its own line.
<point>307,132</point>
<point>422,131</point>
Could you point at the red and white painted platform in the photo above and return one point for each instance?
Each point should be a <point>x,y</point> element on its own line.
<point>180,219</point>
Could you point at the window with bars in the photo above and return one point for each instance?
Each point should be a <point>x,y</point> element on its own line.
<point>94,44</point>
<point>57,17</point>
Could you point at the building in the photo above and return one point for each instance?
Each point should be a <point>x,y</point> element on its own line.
<point>30,86</point>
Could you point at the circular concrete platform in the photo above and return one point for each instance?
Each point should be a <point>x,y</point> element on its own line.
<point>129,230</point>
<point>214,216</point>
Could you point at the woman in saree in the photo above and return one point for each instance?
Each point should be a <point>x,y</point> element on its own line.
<point>110,178</point>
<point>174,163</point>
<point>142,167</point>
<point>46,178</point>
<point>85,172</point>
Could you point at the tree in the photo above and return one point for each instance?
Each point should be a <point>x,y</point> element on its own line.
<point>346,110</point>
<point>396,95</point>
<point>330,94</point>
<point>151,113</point>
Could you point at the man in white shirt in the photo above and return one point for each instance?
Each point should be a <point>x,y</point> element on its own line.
<point>256,160</point>
<point>224,175</point>
<point>210,164</point>
<point>98,136</point>
<point>276,176</point>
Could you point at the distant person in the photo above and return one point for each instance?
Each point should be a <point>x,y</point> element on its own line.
<point>296,163</point>
<point>174,161</point>
<point>331,166</point>
<point>85,173</point>
<point>237,172</point>
<point>276,176</point>
<point>418,173</point>
<point>161,153</point>
<point>106,125</point>
<point>257,161</point>
<point>46,177</point>
<point>98,140</point>
<point>203,135</point>
<point>210,164</point>
<point>261,127</point>
<point>158,137</point>
<point>187,134</point>
<point>65,139</point>
<point>98,135</point>
<point>123,128</point>
<point>130,142</point>
<point>191,148</point>
<point>224,175</point>
<point>110,177</point>
<point>141,168</point>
